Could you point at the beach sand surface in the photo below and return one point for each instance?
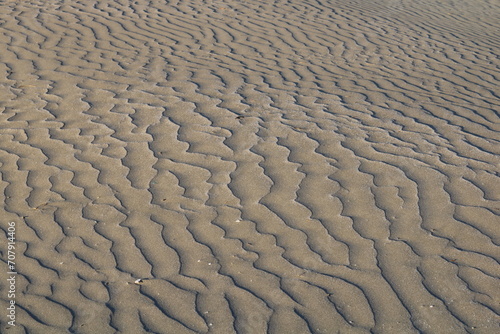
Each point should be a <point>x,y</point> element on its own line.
<point>250,167</point>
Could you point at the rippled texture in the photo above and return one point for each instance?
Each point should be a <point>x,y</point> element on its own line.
<point>263,166</point>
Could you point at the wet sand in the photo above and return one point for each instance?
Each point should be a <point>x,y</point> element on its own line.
<point>251,166</point>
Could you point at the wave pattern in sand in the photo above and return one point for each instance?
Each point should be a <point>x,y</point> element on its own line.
<point>263,166</point>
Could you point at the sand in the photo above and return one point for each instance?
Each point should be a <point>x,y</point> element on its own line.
<point>250,166</point>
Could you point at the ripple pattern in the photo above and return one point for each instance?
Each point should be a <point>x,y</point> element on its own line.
<point>252,166</point>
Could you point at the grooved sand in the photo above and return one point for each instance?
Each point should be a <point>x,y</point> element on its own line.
<point>263,166</point>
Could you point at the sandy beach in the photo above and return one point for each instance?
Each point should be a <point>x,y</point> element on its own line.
<point>250,167</point>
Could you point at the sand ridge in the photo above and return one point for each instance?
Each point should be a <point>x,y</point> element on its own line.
<point>260,167</point>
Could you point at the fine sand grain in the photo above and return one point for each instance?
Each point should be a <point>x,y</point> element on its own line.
<point>229,166</point>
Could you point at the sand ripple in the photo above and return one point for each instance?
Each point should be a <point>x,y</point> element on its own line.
<point>262,166</point>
